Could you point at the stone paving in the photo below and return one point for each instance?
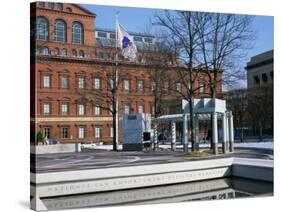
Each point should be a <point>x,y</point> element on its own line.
<point>94,159</point>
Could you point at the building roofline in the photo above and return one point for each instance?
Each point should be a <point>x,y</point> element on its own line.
<point>131,33</point>
<point>84,9</point>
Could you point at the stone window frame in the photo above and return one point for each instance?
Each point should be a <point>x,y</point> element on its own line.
<point>63,113</point>
<point>140,89</point>
<point>44,132</point>
<point>77,33</point>
<point>43,32</point>
<point>61,30</point>
<point>45,103</point>
<point>125,85</point>
<point>99,130</point>
<point>63,132</point>
<point>49,86</point>
<point>99,84</point>
<point>79,109</point>
<point>80,127</point>
<point>64,76</point>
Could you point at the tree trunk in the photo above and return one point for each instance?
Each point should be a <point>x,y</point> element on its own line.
<point>114,132</point>
<point>213,96</point>
<point>115,119</point>
<point>242,135</point>
<point>192,137</point>
<point>260,131</point>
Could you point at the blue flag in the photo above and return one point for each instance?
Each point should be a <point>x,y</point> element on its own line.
<point>126,43</point>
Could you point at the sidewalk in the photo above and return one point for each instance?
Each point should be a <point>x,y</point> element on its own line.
<point>255,145</point>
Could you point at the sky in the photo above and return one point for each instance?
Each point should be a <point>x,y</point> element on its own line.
<point>139,19</point>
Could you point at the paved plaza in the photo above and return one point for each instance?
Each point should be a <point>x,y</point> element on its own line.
<point>96,159</point>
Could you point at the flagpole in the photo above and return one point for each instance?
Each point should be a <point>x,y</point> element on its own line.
<point>116,82</point>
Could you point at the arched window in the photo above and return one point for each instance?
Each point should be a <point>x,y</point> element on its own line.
<point>57,51</point>
<point>46,51</point>
<point>77,33</point>
<point>64,52</point>
<point>74,53</point>
<point>81,53</point>
<point>68,9</point>
<point>37,50</point>
<point>41,29</point>
<point>60,31</point>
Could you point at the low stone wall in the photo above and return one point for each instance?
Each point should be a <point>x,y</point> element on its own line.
<point>109,179</point>
<point>56,148</point>
<point>120,178</point>
<point>255,169</point>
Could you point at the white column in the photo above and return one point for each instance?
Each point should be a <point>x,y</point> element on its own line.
<point>197,131</point>
<point>185,133</point>
<point>173,144</point>
<point>231,132</point>
<point>227,129</point>
<point>223,132</point>
<point>215,133</point>
<point>155,138</point>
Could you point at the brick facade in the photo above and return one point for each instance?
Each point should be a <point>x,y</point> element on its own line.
<point>60,84</point>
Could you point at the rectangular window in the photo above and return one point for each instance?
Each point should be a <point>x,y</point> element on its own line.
<point>81,82</point>
<point>81,109</point>
<point>112,35</point>
<point>47,108</point>
<point>81,132</point>
<point>41,4</point>
<point>111,83</point>
<point>46,132</point>
<point>153,86</point>
<point>64,132</point>
<point>97,132</point>
<point>97,110</point>
<point>178,87</point>
<point>51,5</point>
<point>111,132</point>
<point>148,40</point>
<point>60,6</point>
<point>138,38</point>
<point>102,34</point>
<point>64,109</point>
<point>127,109</point>
<point>140,85</point>
<point>141,108</point>
<point>64,82</point>
<point>202,88</point>
<point>46,81</point>
<point>126,85</point>
<point>97,84</point>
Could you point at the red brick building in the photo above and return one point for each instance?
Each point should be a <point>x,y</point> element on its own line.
<point>71,68</point>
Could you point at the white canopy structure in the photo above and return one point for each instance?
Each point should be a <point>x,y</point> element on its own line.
<point>204,109</point>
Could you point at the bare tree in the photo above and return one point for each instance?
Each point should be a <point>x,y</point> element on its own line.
<point>237,102</point>
<point>182,35</point>
<point>224,39</point>
<point>106,96</point>
<point>260,109</point>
